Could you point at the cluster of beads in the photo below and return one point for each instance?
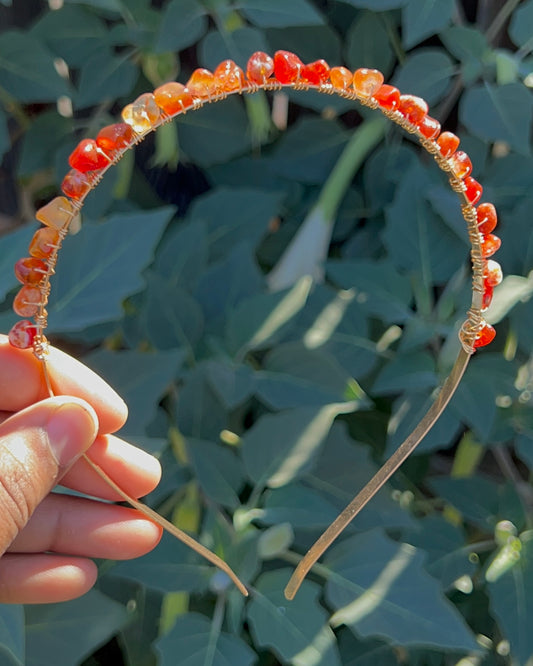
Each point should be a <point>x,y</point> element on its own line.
<point>92,157</point>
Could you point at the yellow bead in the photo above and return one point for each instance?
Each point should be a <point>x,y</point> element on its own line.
<point>57,214</point>
<point>142,114</point>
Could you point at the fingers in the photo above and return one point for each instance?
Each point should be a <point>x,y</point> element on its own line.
<point>22,384</point>
<point>37,579</point>
<point>37,445</point>
<point>134,470</point>
<point>83,527</point>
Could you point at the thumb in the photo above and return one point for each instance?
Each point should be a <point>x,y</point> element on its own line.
<point>37,446</point>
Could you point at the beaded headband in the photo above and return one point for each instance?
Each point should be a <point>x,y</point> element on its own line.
<point>92,157</point>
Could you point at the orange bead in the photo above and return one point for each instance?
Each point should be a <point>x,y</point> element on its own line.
<point>429,127</point>
<point>487,218</point>
<point>316,72</point>
<point>114,137</point>
<point>485,336</point>
<point>202,83</point>
<point>229,77</point>
<point>367,81</point>
<point>87,157</point>
<point>493,273</point>
<point>448,144</point>
<point>75,184</point>
<point>287,66</point>
<point>27,301</point>
<point>473,190</point>
<point>388,97</point>
<point>44,242</point>
<point>340,77</point>
<point>30,270</point>
<point>58,213</point>
<point>142,114</point>
<point>173,98</point>
<point>22,334</point>
<point>461,164</point>
<point>259,68</point>
<point>488,292</point>
<point>413,108</point>
<point>489,245</point>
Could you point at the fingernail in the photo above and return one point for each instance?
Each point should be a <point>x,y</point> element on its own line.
<point>71,429</point>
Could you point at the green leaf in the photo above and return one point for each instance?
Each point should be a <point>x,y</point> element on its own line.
<point>297,631</point>
<point>379,588</point>
<point>499,113</point>
<point>520,24</point>
<point>310,43</point>
<point>201,411</point>
<point>281,447</point>
<point>279,13</point>
<point>71,630</point>
<point>183,22</point>
<point>41,142</point>
<point>406,372</point>
<point>368,44</point>
<point>297,505</point>
<point>468,45</point>
<point>232,383</point>
<point>5,140</point>
<point>216,47</point>
<point>182,258</point>
<point>103,78</point>
<point>511,602</point>
<point>218,471</point>
<point>102,265</point>
<point>27,69</point>
<point>193,641</point>
<point>141,380</point>
<point>423,18</point>
<point>13,246</point>
<point>12,635</point>
<point>377,5</point>
<point>476,498</point>
<point>427,73</point>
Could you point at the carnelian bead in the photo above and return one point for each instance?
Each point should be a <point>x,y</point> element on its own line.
<point>142,114</point>
<point>413,108</point>
<point>493,273</point>
<point>30,270</point>
<point>316,72</point>
<point>340,77</point>
<point>260,66</point>
<point>114,137</point>
<point>27,301</point>
<point>57,213</point>
<point>44,242</point>
<point>487,218</point>
<point>448,144</point>
<point>489,245</point>
<point>201,83</point>
<point>88,157</point>
<point>473,190</point>
<point>367,81</point>
<point>388,97</point>
<point>172,98</point>
<point>229,76</point>
<point>75,184</point>
<point>488,292</point>
<point>485,336</point>
<point>22,334</point>
<point>429,127</point>
<point>461,164</point>
<point>287,66</point>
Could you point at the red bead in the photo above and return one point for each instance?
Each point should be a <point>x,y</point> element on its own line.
<point>75,184</point>
<point>461,164</point>
<point>259,68</point>
<point>487,218</point>
<point>287,66</point>
<point>493,273</point>
<point>448,144</point>
<point>87,157</point>
<point>44,242</point>
<point>429,127</point>
<point>489,245</point>
<point>201,83</point>
<point>413,108</point>
<point>30,270</point>
<point>173,98</point>
<point>114,137</point>
<point>27,301</point>
<point>488,291</point>
<point>473,190</point>
<point>316,72</point>
<point>22,334</point>
<point>485,336</point>
<point>340,77</point>
<point>388,97</point>
<point>366,82</point>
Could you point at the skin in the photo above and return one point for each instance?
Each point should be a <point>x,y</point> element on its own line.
<point>47,539</point>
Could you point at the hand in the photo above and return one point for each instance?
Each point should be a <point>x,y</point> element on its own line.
<point>46,539</point>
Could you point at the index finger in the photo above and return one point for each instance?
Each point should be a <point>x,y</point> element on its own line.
<point>22,384</point>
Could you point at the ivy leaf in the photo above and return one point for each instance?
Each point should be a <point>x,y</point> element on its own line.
<point>379,588</point>
<point>102,265</point>
<point>104,77</point>
<point>279,13</point>
<point>193,639</point>
<point>27,69</point>
<point>183,22</point>
<point>297,630</point>
<point>424,18</point>
<point>499,113</point>
<point>12,635</point>
<point>71,630</point>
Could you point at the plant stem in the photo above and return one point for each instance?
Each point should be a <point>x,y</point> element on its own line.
<point>500,19</point>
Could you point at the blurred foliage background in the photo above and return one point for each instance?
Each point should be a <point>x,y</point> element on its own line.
<point>270,407</point>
